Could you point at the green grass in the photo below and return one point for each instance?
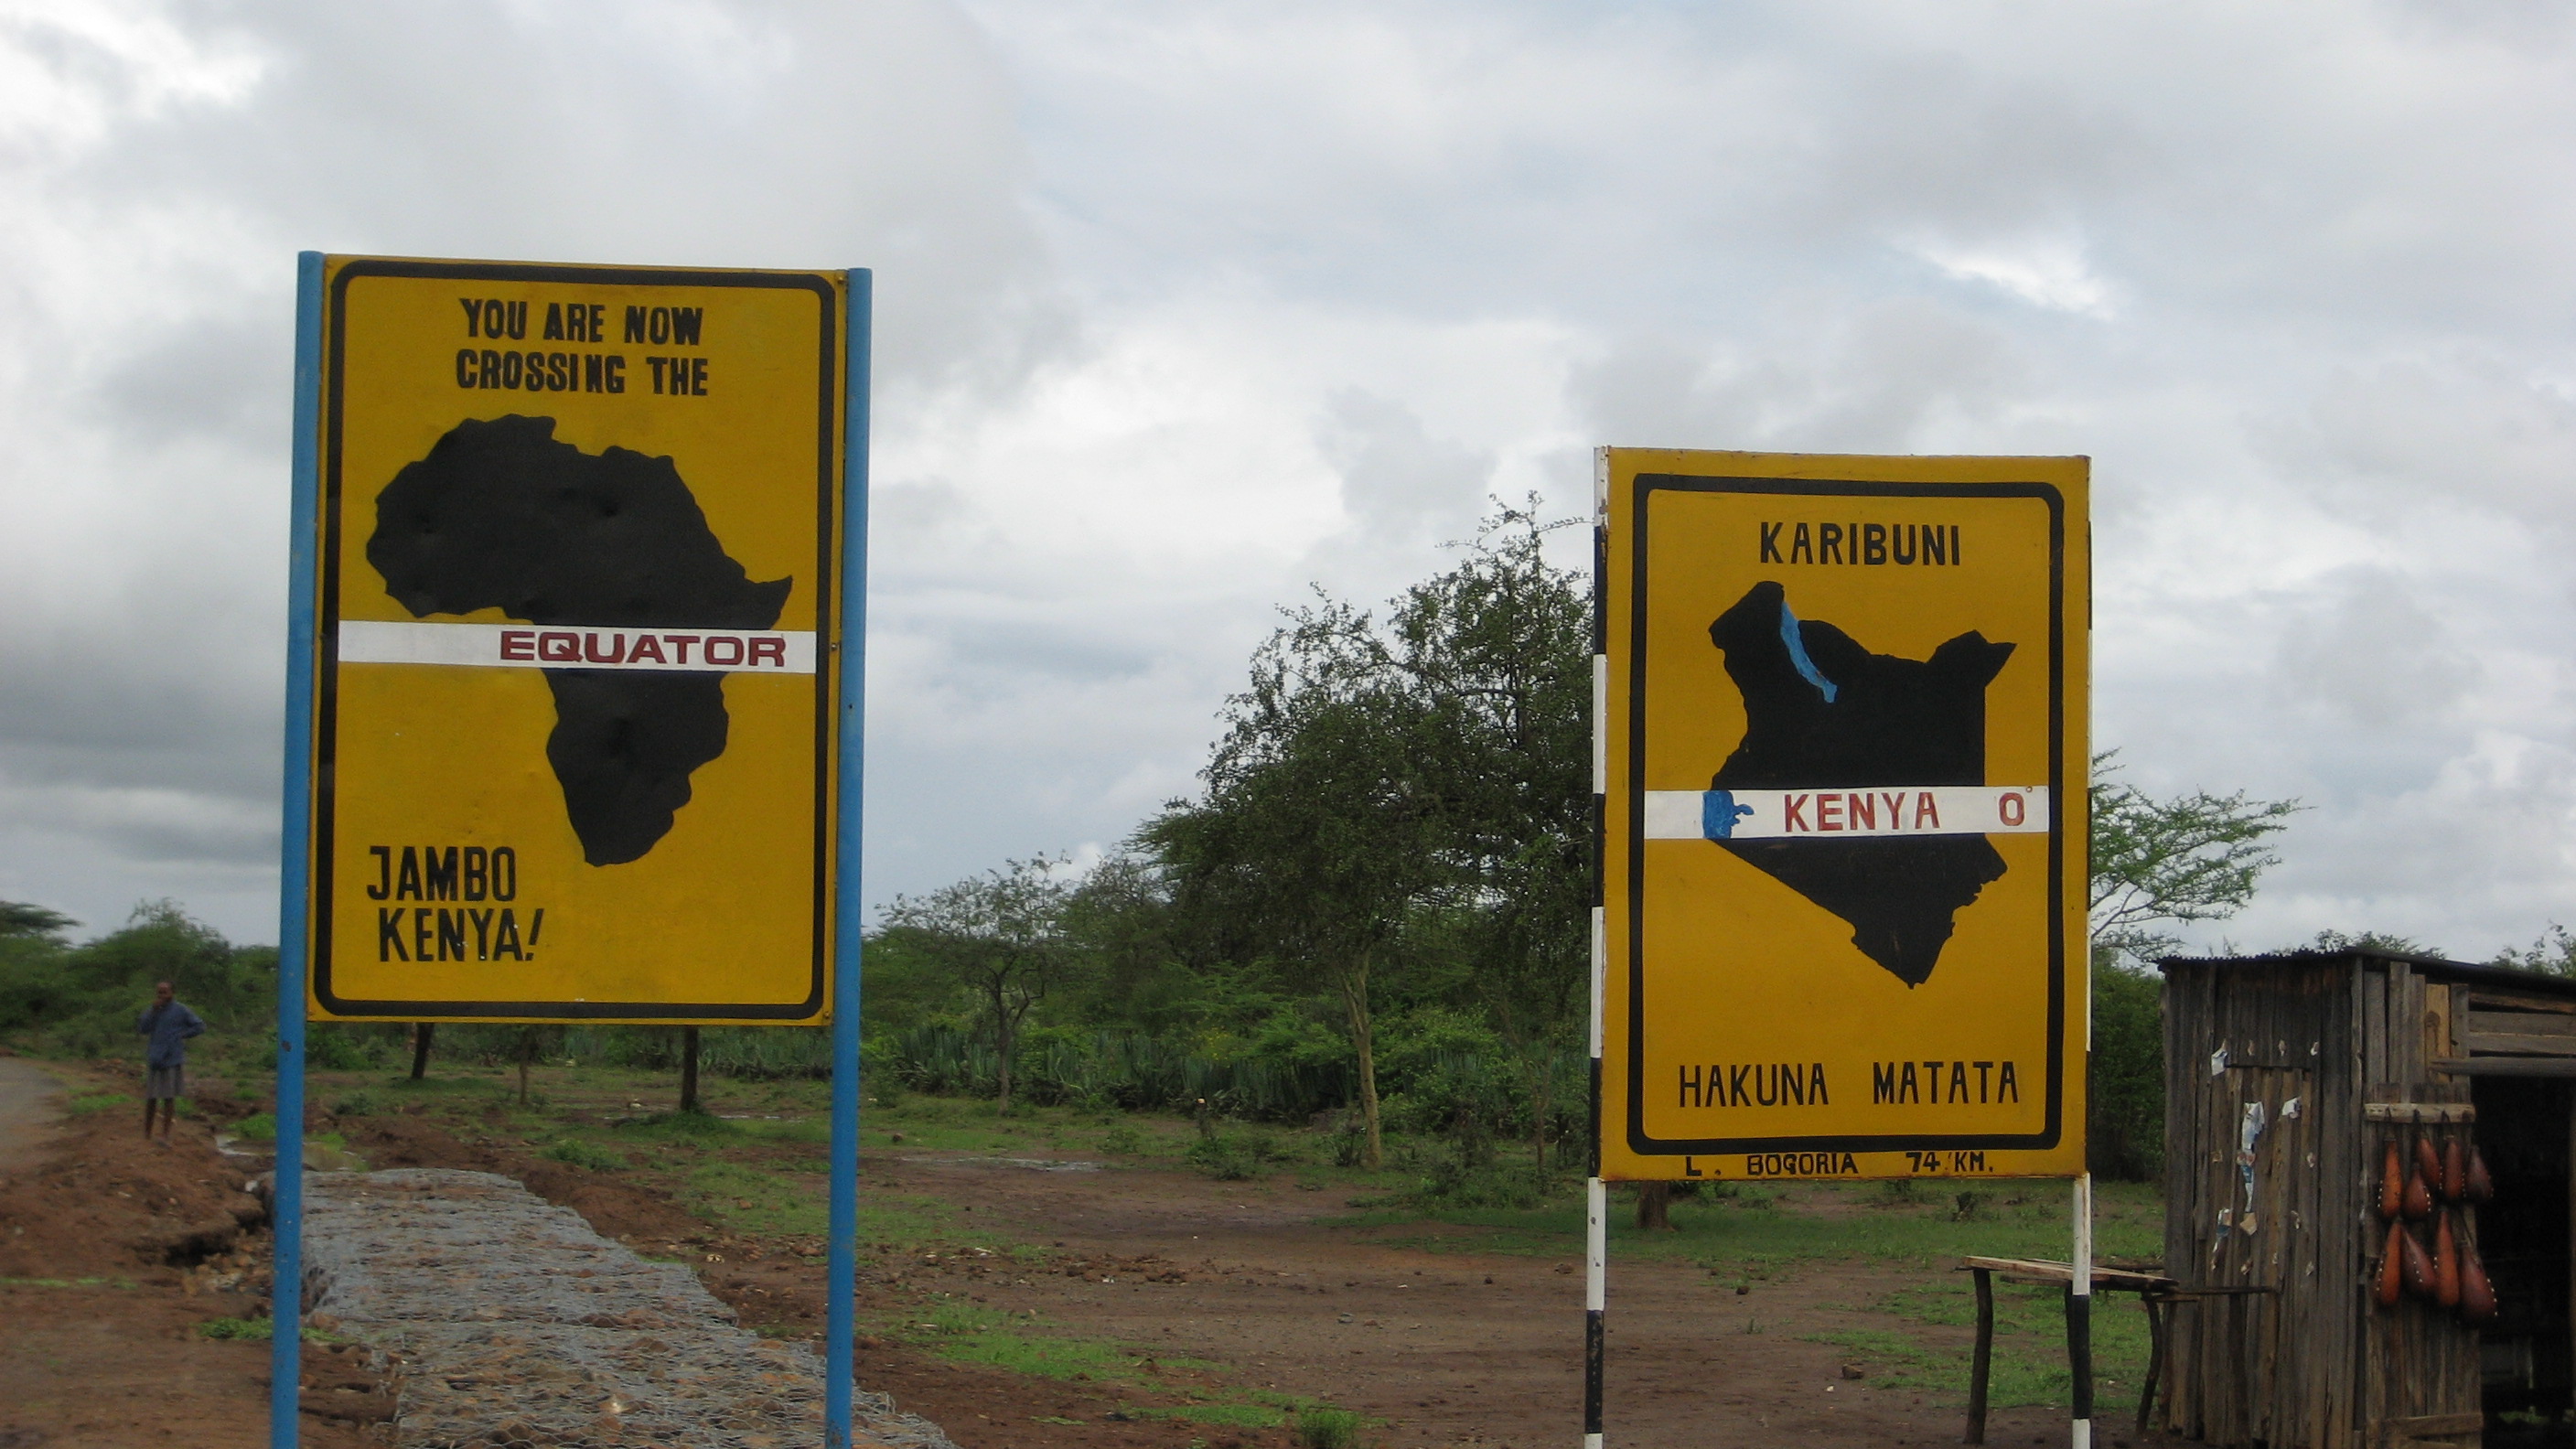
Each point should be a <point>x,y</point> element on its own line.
<point>262,1127</point>
<point>972,1334</point>
<point>1328,1428</point>
<point>1237,1414</point>
<point>84,1103</point>
<point>2030,1346</point>
<point>441,1084</point>
<point>234,1328</point>
<point>755,1175</point>
<point>1764,1230</point>
<point>582,1154</point>
<point>66,1283</point>
<point>969,1333</point>
<point>752,1199</point>
<point>679,1126</point>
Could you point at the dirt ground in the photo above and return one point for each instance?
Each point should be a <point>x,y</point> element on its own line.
<point>1447,1348</point>
<point>112,1251</point>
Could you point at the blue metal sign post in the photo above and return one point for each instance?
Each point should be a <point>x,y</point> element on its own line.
<point>840,1340</point>
<point>286,1197</point>
<point>305,631</point>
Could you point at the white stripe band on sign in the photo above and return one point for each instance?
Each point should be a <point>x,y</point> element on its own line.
<point>1878,812</point>
<point>529,646</point>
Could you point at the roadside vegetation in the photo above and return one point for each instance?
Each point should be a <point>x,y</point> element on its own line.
<point>752,1169</point>
<point>1350,964</point>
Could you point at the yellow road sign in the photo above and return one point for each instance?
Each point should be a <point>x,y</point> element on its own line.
<point>577,602</point>
<point>1844,825</point>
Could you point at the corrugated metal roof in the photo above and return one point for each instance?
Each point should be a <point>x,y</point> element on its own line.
<point>2503,978</point>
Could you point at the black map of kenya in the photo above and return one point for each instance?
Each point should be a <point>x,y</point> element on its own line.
<point>1832,714</point>
<point>500,515</point>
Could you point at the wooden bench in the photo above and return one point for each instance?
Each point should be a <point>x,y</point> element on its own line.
<point>2155,1293</point>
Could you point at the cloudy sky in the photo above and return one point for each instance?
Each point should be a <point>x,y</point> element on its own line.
<point>1186,305</point>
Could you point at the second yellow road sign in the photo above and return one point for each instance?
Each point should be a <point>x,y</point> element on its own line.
<point>1844,834</point>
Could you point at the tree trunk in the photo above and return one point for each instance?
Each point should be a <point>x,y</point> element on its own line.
<point>689,1069</point>
<point>1655,1206</point>
<point>421,1032</point>
<point>1005,1038</point>
<point>1355,1000</point>
<point>1538,1122</point>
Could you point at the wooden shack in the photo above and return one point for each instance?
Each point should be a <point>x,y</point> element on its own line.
<point>2287,1077</point>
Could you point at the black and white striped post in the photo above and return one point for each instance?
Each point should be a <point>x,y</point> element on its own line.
<point>1596,1204</point>
<point>2079,1316</point>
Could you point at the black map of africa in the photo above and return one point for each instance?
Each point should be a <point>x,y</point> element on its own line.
<point>500,515</point>
<point>1851,718</point>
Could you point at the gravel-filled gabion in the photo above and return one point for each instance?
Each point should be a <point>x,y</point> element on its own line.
<point>503,1320</point>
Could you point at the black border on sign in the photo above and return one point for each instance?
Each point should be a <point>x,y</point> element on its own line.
<point>1646,485</point>
<point>327,632</point>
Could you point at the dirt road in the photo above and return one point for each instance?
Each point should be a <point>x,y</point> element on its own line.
<point>1451,1346</point>
<point>113,1253</point>
<point>31,1100</point>
<point>1446,1345</point>
<point>1431,1330</point>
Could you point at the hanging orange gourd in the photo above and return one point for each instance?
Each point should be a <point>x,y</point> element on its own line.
<point>2419,1197</point>
<point>2481,1186</point>
<point>2455,1171</point>
<point>2477,1295</point>
<point>2446,1264</point>
<point>2386,1288</point>
<point>2392,1183</point>
<point>2419,1268</point>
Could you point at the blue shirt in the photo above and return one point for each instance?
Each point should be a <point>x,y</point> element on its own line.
<point>169,1027</point>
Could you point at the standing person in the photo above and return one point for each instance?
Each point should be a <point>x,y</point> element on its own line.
<point>168,1024</point>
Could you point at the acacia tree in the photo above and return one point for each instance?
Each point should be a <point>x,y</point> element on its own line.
<point>18,918</point>
<point>1001,935</point>
<point>1376,780</point>
<point>1319,829</point>
<point>2155,863</point>
<point>1498,650</point>
<point>2194,857</point>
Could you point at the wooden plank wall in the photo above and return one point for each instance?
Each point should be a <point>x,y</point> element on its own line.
<point>2314,1363</point>
<point>2270,1368</point>
<point>2418,1363</point>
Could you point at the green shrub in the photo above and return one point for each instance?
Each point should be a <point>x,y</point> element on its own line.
<point>2125,1083</point>
<point>1122,1140</point>
<point>584,1155</point>
<point>1327,1428</point>
<point>234,1328</point>
<point>258,1127</point>
<point>58,999</point>
<point>1452,1183</point>
<point>357,1104</point>
<point>680,1124</point>
<point>1899,1191</point>
<point>1225,1156</point>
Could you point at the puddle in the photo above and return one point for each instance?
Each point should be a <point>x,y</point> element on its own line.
<point>318,1156</point>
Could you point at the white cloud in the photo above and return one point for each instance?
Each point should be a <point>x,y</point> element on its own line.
<point>2048,273</point>
<point>1183,305</point>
